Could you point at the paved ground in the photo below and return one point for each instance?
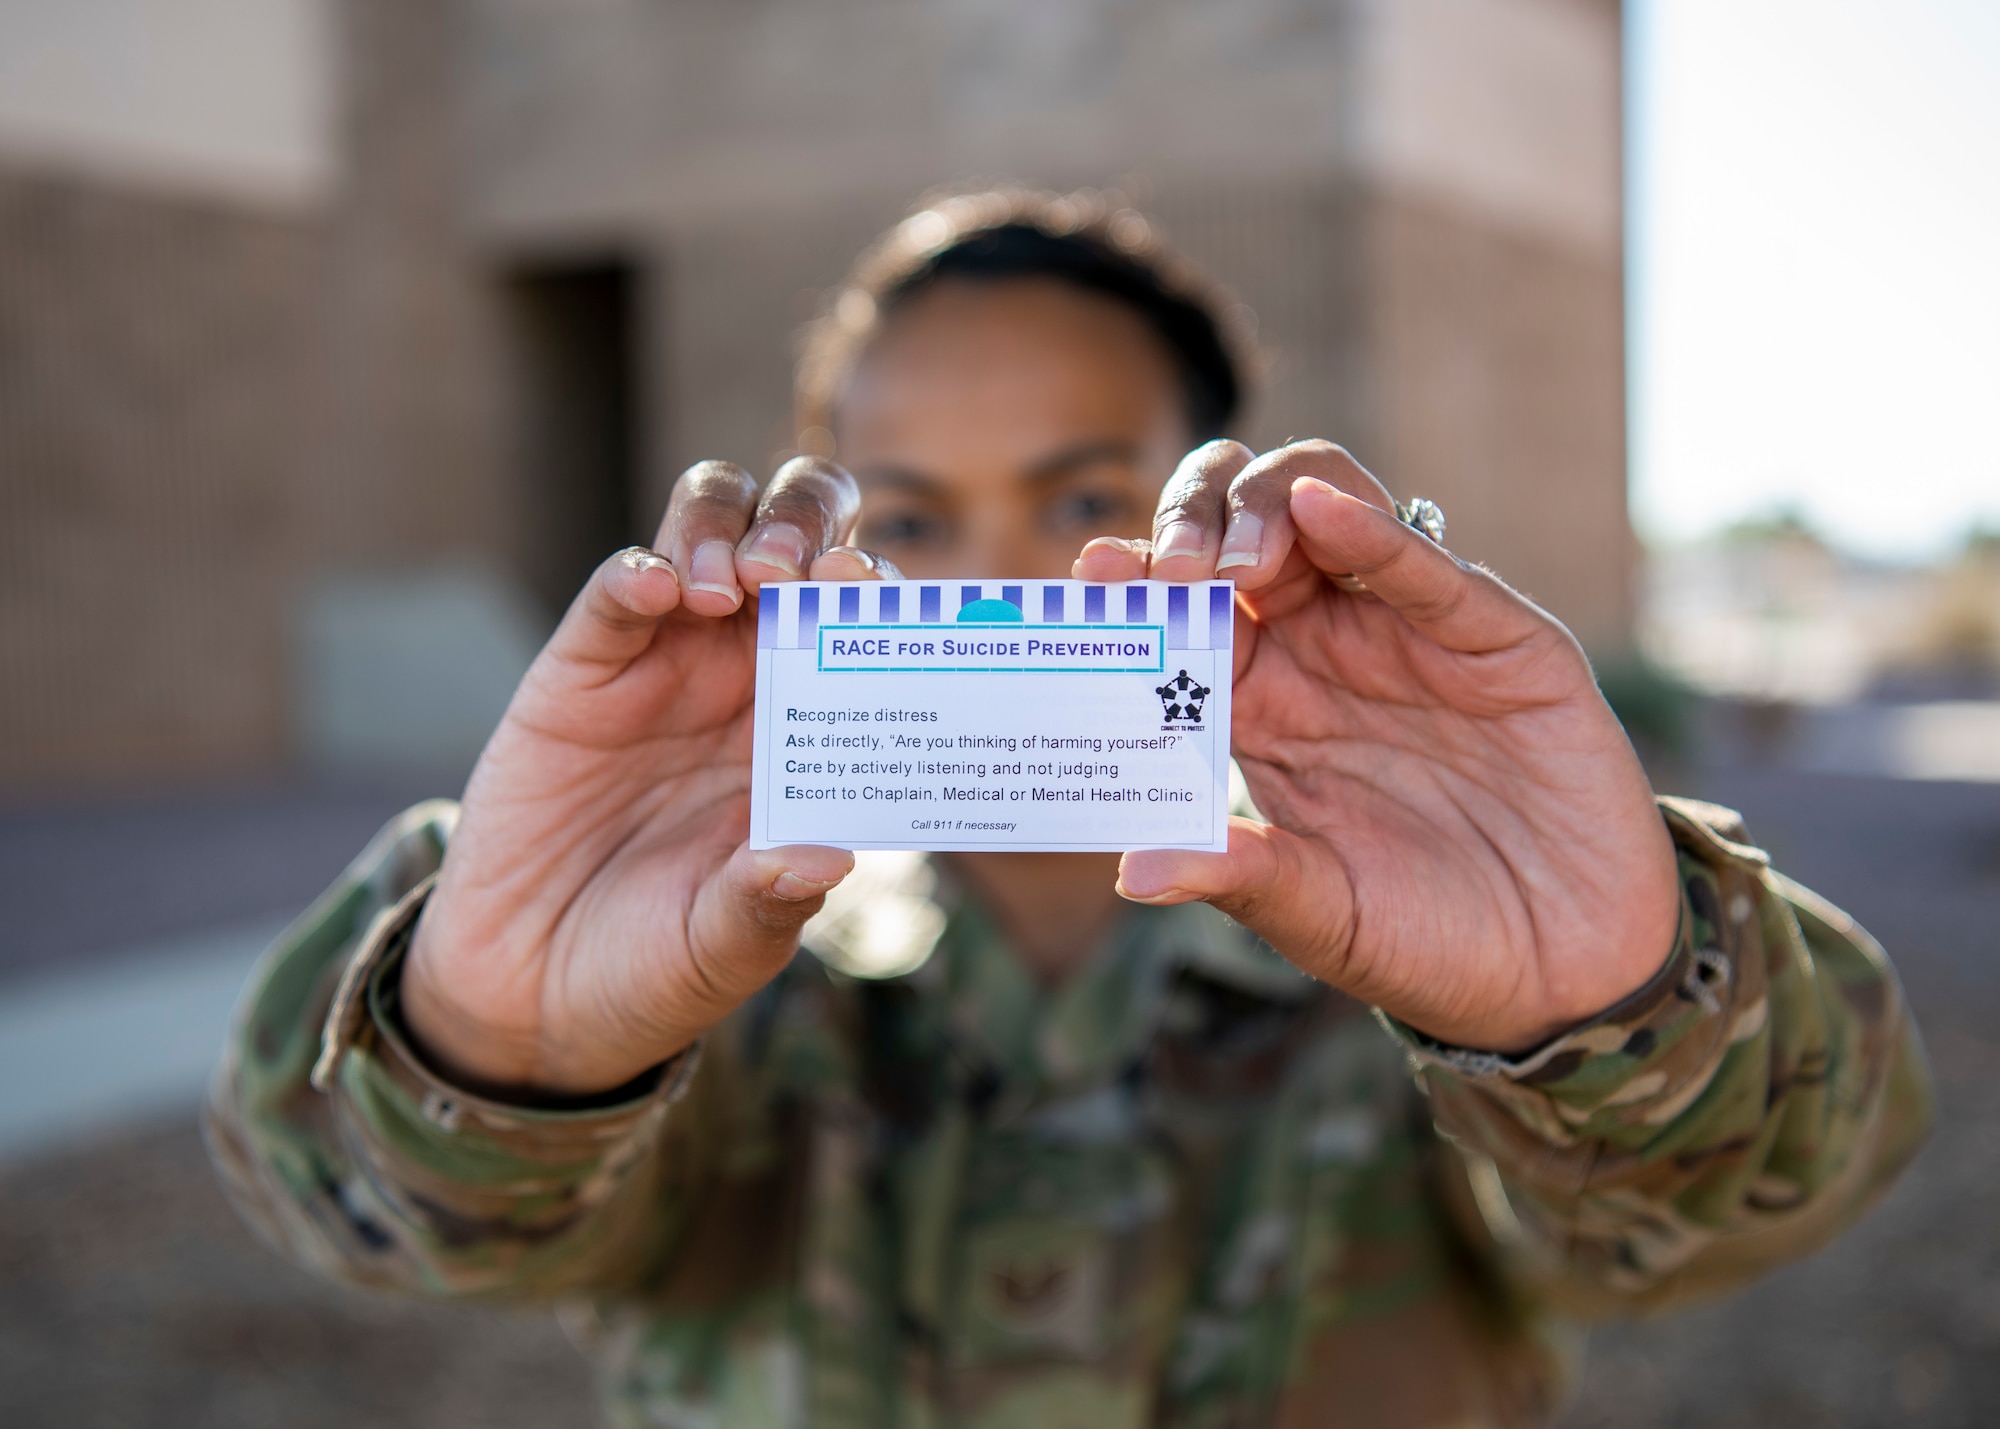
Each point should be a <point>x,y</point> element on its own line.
<point>129,1296</point>
<point>113,1041</point>
<point>129,869</point>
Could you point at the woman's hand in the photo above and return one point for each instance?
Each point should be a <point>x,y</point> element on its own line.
<point>598,908</point>
<point>1460,832</point>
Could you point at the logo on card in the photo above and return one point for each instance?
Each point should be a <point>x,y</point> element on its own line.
<point>1180,702</point>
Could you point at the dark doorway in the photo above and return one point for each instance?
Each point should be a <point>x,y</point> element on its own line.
<point>576,336</point>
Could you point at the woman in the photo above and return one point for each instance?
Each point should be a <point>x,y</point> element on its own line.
<point>1100,1157</point>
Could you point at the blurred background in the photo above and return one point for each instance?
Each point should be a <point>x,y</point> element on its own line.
<point>340,338</point>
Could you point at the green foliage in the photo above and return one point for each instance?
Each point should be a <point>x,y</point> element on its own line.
<point>1784,523</point>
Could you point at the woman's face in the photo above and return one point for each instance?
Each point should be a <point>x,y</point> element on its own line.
<point>997,427</point>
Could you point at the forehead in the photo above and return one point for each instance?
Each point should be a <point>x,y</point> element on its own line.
<point>1011,368</point>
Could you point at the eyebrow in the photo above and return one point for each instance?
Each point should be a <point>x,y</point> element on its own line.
<point>1071,459</point>
<point>1050,469</point>
<point>903,477</point>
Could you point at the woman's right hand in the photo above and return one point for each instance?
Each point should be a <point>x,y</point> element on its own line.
<point>598,908</point>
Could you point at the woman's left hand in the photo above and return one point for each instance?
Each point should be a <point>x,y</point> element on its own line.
<point>1459,830</point>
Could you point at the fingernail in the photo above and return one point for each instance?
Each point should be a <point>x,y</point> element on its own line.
<point>1157,895</point>
<point>797,887</point>
<point>638,558</point>
<point>1243,542</point>
<point>855,554</point>
<point>780,547</point>
<point>1132,883</point>
<point>713,568</point>
<point>1177,538</point>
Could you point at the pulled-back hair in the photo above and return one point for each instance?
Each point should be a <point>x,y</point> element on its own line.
<point>1083,239</point>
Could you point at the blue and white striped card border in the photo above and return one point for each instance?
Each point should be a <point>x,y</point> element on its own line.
<point>1199,616</point>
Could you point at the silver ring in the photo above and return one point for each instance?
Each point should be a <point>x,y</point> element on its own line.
<point>1425,515</point>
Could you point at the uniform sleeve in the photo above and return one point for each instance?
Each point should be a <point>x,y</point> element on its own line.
<point>1736,1113</point>
<point>354,1159</point>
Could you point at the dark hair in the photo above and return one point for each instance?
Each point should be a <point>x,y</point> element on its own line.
<point>1083,239</point>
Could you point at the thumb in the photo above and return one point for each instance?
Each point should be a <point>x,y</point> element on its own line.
<point>1292,892</point>
<point>745,922</point>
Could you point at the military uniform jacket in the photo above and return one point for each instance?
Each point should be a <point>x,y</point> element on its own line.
<point>906,1186</point>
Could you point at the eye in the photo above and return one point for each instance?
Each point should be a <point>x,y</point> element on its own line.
<point>904,528</point>
<point>1090,508</point>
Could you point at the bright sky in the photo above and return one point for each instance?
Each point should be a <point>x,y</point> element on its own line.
<point>1815,266</point>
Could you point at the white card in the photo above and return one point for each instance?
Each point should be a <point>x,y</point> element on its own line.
<point>993,715</point>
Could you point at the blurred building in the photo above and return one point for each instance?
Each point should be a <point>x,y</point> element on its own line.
<point>1768,611</point>
<point>1821,660</point>
<point>254,435</point>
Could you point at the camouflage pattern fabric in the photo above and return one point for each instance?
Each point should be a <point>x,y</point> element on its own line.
<point>905,1186</point>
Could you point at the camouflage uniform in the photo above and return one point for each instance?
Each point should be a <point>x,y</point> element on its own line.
<point>1190,1187</point>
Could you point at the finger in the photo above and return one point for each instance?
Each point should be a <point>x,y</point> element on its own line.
<point>1292,893</point>
<point>1331,463</point>
<point>707,516</point>
<point>1111,559</point>
<point>749,915</point>
<point>851,563</point>
<point>1259,534</point>
<point>810,506</point>
<point>612,619</point>
<point>1187,530</point>
<point>1459,606</point>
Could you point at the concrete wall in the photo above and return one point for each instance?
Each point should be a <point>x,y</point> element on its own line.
<point>227,99</point>
<point>225,420</point>
<point>156,374</point>
<point>1419,199</point>
<point>208,410</point>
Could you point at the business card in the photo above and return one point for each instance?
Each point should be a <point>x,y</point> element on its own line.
<point>986,716</point>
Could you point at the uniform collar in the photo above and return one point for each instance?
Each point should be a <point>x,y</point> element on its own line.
<point>899,916</point>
